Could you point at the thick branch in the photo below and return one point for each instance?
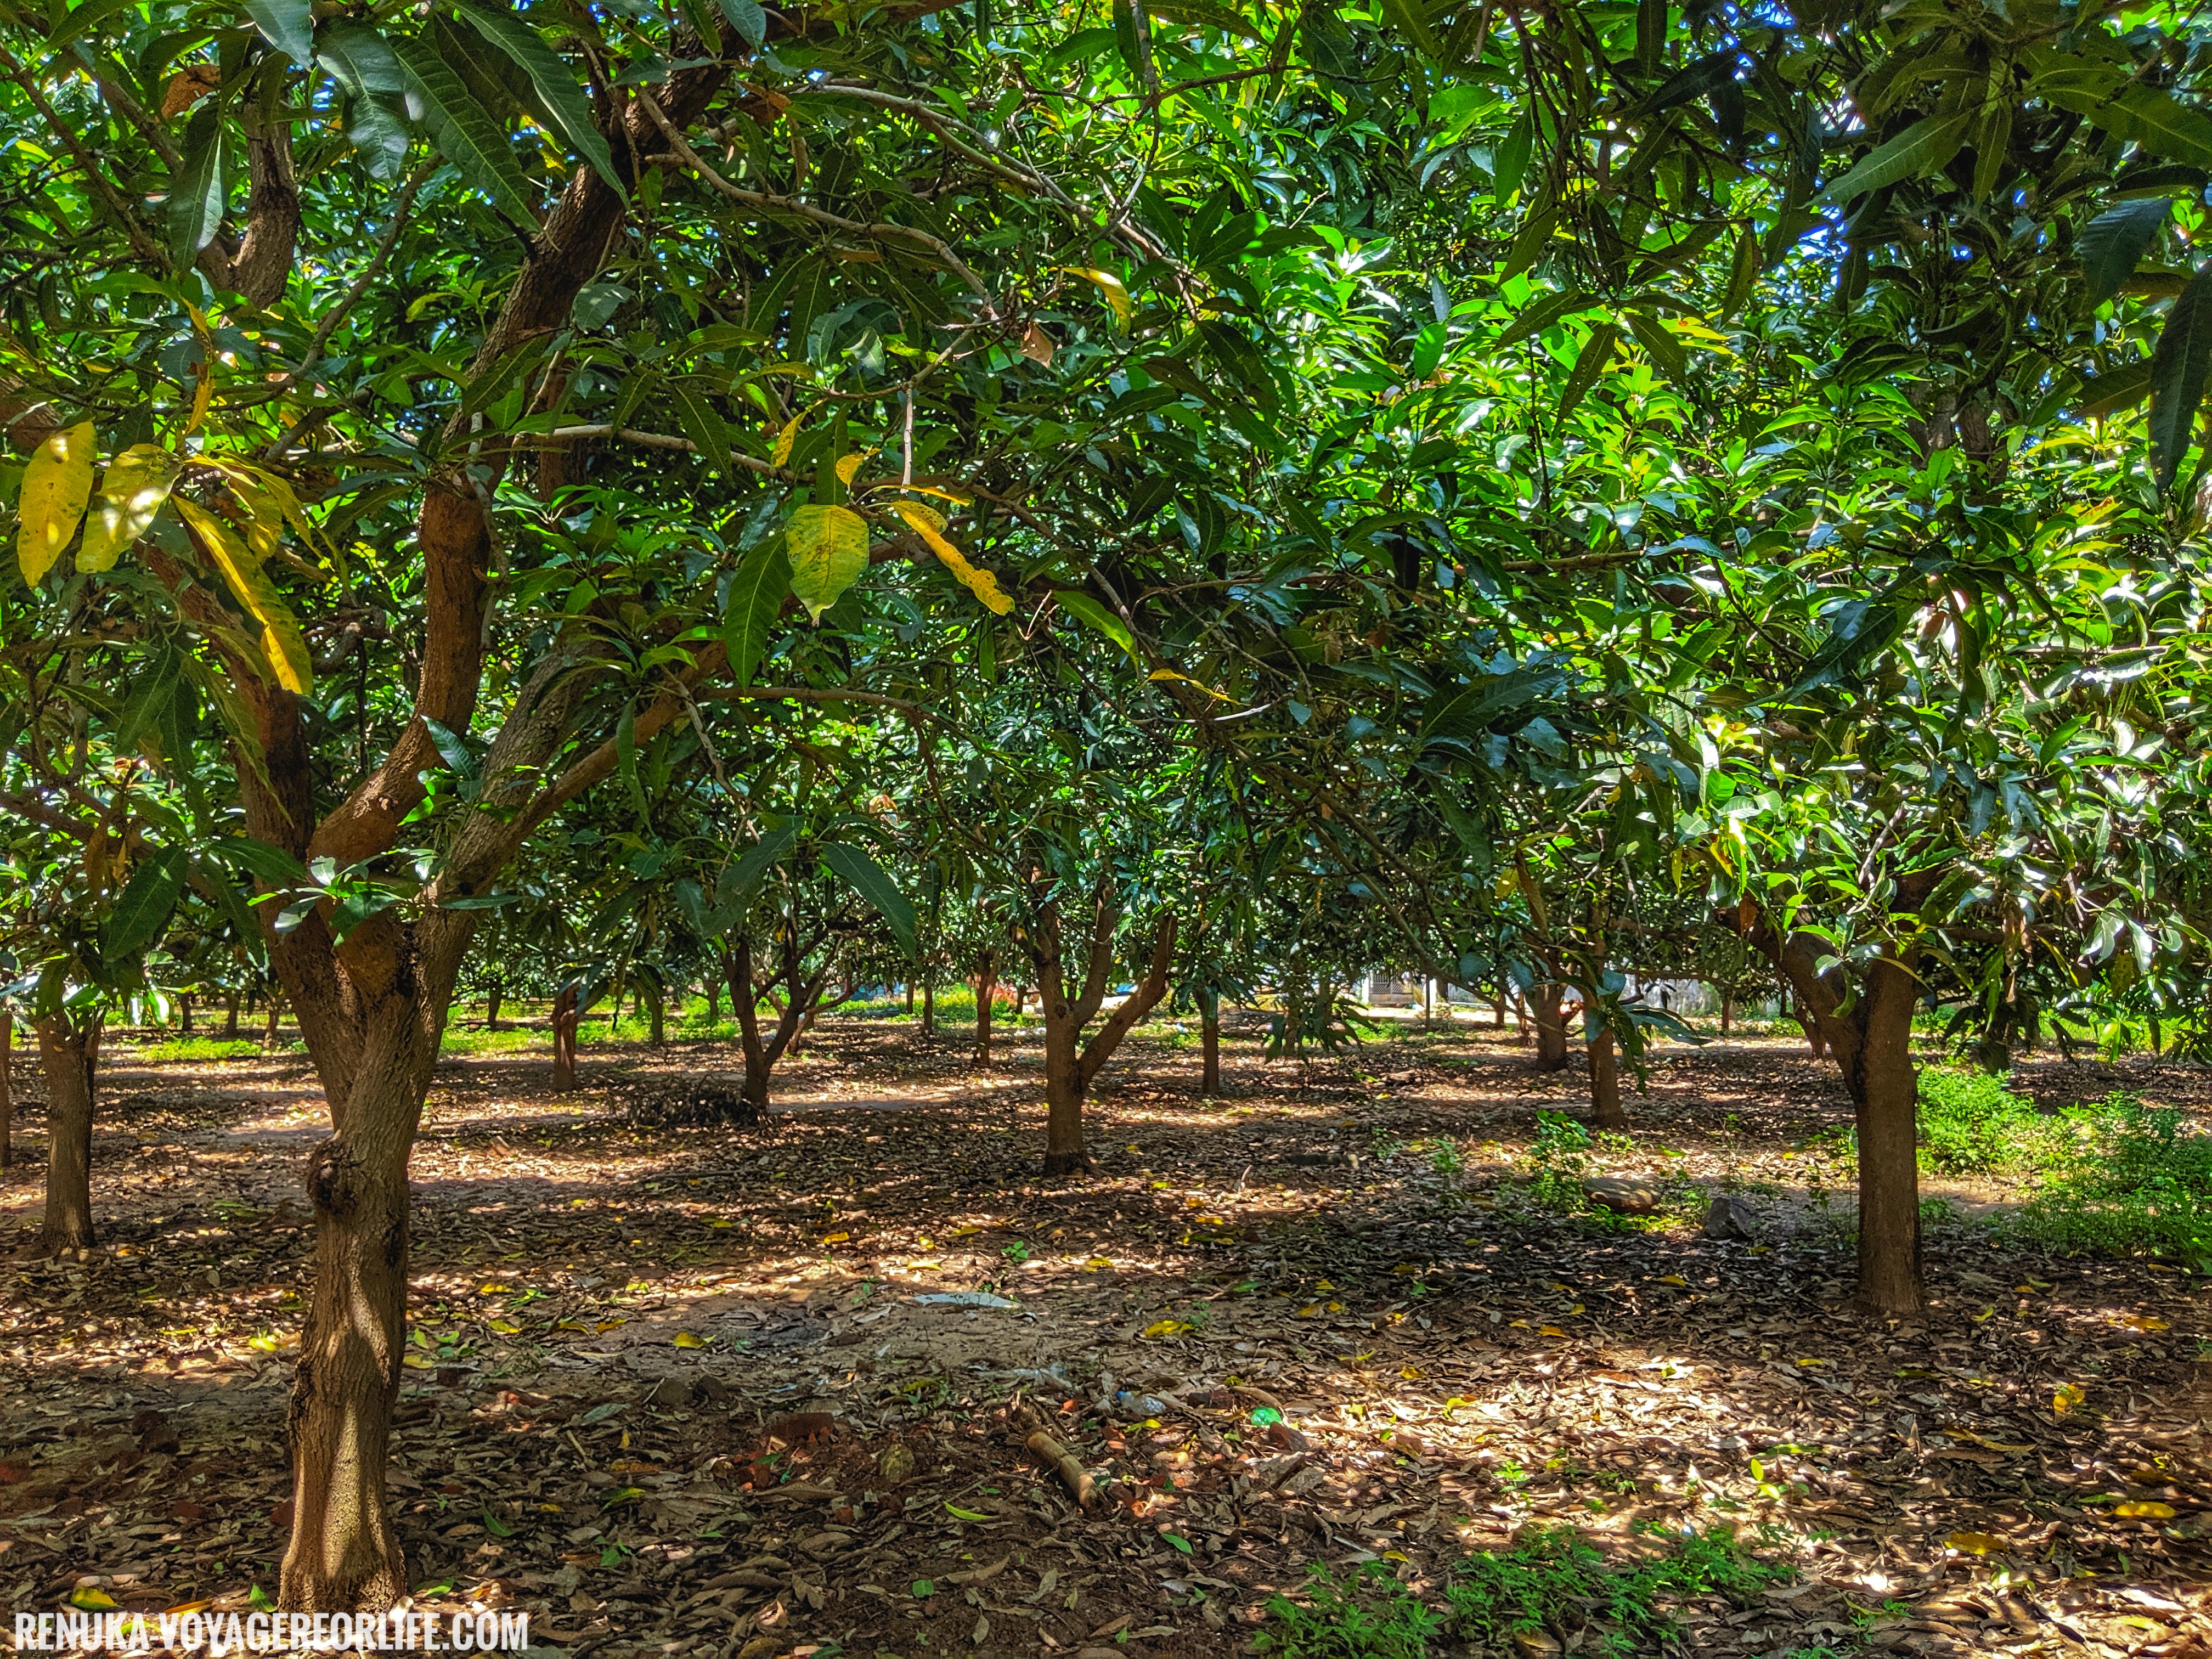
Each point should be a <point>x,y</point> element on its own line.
<point>1139,1003</point>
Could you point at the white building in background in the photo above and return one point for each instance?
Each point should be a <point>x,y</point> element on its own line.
<point>1674,996</point>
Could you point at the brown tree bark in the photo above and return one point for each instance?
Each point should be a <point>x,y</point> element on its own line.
<point>1209,1042</point>
<point>986,991</point>
<point>7,1087</point>
<point>1605,1082</point>
<point>229,1015</point>
<point>1545,1001</point>
<point>184,1013</point>
<point>1728,1011</point>
<point>1070,1065</point>
<point>649,993</point>
<point>929,1008</point>
<point>1868,1029</point>
<point>70,1053</point>
<point>492,999</point>
<point>275,1015</point>
<point>566,1017</point>
<point>801,1003</point>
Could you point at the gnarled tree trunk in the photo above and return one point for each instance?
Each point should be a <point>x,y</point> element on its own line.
<point>70,1053</point>
<point>7,1087</point>
<point>1069,1063</point>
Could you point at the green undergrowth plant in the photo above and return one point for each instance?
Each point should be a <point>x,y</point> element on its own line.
<point>1970,1122</point>
<point>2127,1179</point>
<point>1553,1580</point>
<point>1557,1161</point>
<point>200,1048</point>
<point>1368,1614</point>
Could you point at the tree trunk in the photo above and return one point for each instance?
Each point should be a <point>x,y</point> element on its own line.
<point>929,1007</point>
<point>1497,1009</point>
<point>656,1012</point>
<point>1551,1027</point>
<point>184,1013</point>
<point>491,1008</point>
<point>745,1003</point>
<point>565,1021</point>
<point>275,1013</point>
<point>230,1015</point>
<point>7,1087</point>
<point>70,1053</point>
<point>1605,1082</point>
<point>1885,1091</point>
<point>1728,1011</point>
<point>910,998</point>
<point>713,1000</point>
<point>1209,1042</point>
<point>1871,1038</point>
<point>986,991</point>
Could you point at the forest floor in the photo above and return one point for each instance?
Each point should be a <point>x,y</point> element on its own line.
<point>758,1392</point>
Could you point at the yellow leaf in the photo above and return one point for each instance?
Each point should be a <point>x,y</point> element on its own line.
<point>2065,1398</point>
<point>576,1325</point>
<point>280,633</point>
<point>415,1361</point>
<point>1169,674</point>
<point>690,1339</point>
<point>1323,1285</point>
<point>2133,1322</point>
<point>1165,1327</point>
<point>505,1328</point>
<point>91,1598</point>
<point>1336,1307</point>
<point>1810,1364</point>
<point>612,1324</point>
<point>966,1231</point>
<point>1576,1308</point>
<point>836,1238</point>
<point>492,1287</point>
<point>1674,1278</point>
<point>828,547</point>
<point>780,455</point>
<point>56,483</point>
<point>722,1221</point>
<point>138,481</point>
<point>1412,1373</point>
<point>848,465</point>
<point>183,1608</point>
<point>1311,1310</point>
<point>1976,1543</point>
<point>1110,286</point>
<point>925,1264</point>
<point>2144,1511</point>
<point>928,524</point>
<point>1100,1261</point>
<point>1550,1330</point>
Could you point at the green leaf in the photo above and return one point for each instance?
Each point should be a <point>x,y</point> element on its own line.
<point>2116,388</point>
<point>137,481</point>
<point>1178,1540</point>
<point>748,20</point>
<point>2140,114</point>
<point>272,865</point>
<point>196,189</point>
<point>868,878</point>
<point>959,1514</point>
<point>464,131</point>
<point>698,421</point>
<point>736,888</point>
<point>1589,363</point>
<point>1540,314</point>
<point>757,591</point>
<point>2178,367</point>
<point>1413,24</point>
<point>361,62</point>
<point>1743,273</point>
<point>286,25</point>
<point>1694,81</point>
<point>1093,614</point>
<point>148,901</point>
<point>827,547</point>
<point>1925,145</point>
<point>492,1523</point>
<point>2113,243</point>
<point>564,100</point>
<point>1666,351</point>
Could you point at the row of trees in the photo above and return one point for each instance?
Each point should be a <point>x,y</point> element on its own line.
<point>1198,494</point>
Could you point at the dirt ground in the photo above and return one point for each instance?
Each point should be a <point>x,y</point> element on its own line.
<point>767,1393</point>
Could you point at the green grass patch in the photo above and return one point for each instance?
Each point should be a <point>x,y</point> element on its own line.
<point>1553,1581</point>
<point>2126,1179</point>
<point>203,1048</point>
<point>1971,1122</point>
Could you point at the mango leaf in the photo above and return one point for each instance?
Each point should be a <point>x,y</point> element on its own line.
<point>2119,388</point>
<point>1589,363</point>
<point>148,901</point>
<point>828,547</point>
<point>2141,114</point>
<point>929,524</point>
<point>1925,145</point>
<point>280,631</point>
<point>736,888</point>
<point>867,878</point>
<point>1093,614</point>
<point>286,25</point>
<point>699,420</point>
<point>56,483</point>
<point>361,62</point>
<point>747,18</point>
<point>2113,243</point>
<point>197,193</point>
<point>138,481</point>
<point>1110,286</point>
<point>1540,314</point>
<point>1414,23</point>
<point>2178,369</point>
<point>757,591</point>
<point>557,90</point>
<point>464,131</point>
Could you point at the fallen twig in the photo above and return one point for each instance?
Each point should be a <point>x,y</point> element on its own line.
<point>1063,1463</point>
